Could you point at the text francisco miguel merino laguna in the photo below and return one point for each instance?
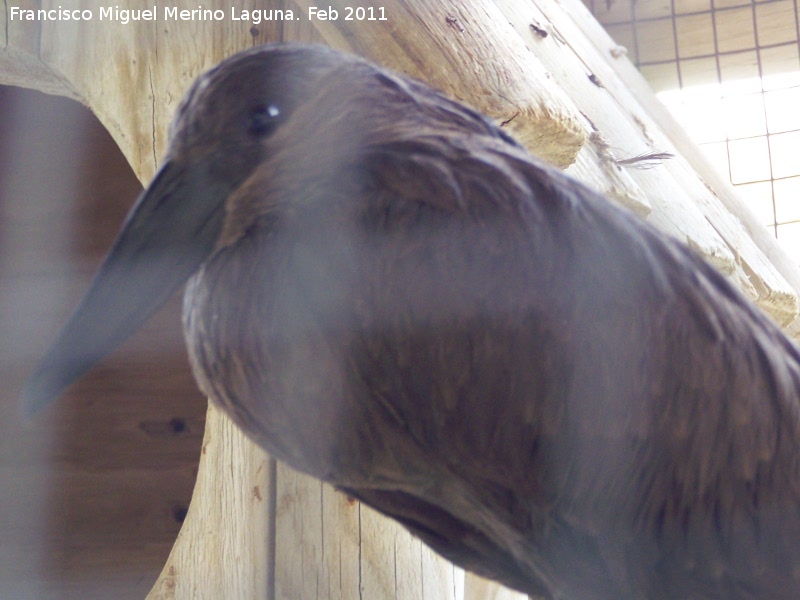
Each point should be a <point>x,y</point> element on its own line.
<point>172,13</point>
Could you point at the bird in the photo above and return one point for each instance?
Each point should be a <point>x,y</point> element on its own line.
<point>385,290</point>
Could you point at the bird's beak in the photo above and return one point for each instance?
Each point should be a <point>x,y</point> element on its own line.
<point>170,231</point>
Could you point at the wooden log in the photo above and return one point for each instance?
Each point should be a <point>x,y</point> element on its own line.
<point>223,549</point>
<point>260,530</point>
<point>477,588</point>
<point>434,39</point>
<point>763,271</point>
<point>19,56</point>
<point>590,81</point>
<point>683,204</point>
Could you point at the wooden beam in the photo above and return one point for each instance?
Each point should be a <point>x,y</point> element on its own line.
<point>684,204</point>
<point>497,73</point>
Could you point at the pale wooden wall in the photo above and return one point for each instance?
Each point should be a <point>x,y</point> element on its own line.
<point>256,529</point>
<point>93,491</point>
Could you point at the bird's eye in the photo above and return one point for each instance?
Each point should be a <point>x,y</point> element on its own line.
<point>263,119</point>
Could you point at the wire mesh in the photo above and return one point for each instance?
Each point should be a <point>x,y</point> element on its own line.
<point>730,72</point>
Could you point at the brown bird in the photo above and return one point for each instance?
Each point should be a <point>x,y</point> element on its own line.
<point>387,292</point>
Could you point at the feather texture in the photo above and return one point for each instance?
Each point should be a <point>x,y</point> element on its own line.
<point>390,294</point>
<point>539,385</point>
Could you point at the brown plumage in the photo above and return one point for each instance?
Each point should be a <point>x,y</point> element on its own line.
<point>387,292</point>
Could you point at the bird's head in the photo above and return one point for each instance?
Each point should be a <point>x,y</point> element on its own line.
<point>226,119</point>
<point>220,134</point>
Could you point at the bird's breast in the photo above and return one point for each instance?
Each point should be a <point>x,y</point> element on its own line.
<point>265,324</point>
<point>356,355</point>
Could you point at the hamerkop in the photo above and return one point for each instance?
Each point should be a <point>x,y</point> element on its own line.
<point>388,292</point>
